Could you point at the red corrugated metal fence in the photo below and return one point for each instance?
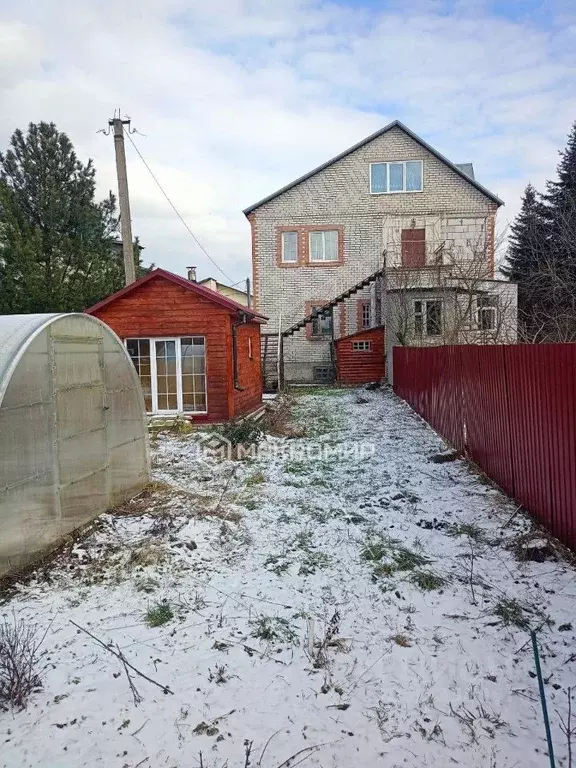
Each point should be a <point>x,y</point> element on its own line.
<point>512,409</point>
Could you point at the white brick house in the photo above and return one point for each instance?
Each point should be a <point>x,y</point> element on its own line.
<point>390,199</point>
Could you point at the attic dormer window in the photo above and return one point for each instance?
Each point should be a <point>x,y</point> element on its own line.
<point>390,178</point>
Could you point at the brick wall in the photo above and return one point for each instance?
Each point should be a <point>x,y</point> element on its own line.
<point>449,208</point>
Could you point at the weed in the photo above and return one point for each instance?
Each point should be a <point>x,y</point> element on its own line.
<point>471,530</point>
<point>19,662</point>
<point>303,539</point>
<point>405,559</point>
<point>158,614</point>
<point>273,629</point>
<point>377,547</point>
<point>296,467</point>
<point>312,562</point>
<point>255,479</point>
<point>246,431</point>
<point>511,613</point>
<point>219,675</point>
<point>427,581</point>
<point>280,564</point>
<point>402,640</point>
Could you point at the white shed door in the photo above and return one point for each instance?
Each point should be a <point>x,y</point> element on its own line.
<point>79,394</point>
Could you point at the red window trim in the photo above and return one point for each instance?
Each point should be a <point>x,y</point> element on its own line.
<point>303,259</point>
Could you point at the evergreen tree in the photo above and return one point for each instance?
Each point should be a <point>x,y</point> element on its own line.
<point>561,203</point>
<point>528,243</point>
<point>528,254</point>
<point>56,241</point>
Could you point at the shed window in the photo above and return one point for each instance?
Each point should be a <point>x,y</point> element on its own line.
<point>361,346</point>
<point>290,247</point>
<point>387,178</point>
<point>324,245</point>
<point>172,373</point>
<point>428,317</point>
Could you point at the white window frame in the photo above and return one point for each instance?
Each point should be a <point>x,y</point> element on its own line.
<point>424,314</point>
<point>287,232</point>
<point>480,310</point>
<point>154,370</point>
<point>396,191</point>
<point>361,346</point>
<point>323,233</point>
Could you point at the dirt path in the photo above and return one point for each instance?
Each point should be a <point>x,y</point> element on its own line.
<point>342,595</point>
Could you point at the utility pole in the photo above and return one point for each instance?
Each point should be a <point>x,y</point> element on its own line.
<point>248,297</point>
<point>117,123</point>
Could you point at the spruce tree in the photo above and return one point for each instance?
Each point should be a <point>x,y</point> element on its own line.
<point>56,252</point>
<point>561,210</point>
<point>527,257</point>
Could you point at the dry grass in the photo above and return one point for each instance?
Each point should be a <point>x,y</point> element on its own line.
<point>148,554</point>
<point>229,515</point>
<point>278,418</point>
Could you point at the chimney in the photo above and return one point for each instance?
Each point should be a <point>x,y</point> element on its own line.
<point>191,274</point>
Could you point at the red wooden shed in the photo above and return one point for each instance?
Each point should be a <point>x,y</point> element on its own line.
<point>360,357</point>
<point>196,351</point>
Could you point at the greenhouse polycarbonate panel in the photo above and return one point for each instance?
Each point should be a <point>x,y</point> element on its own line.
<point>80,409</point>
<point>61,379</point>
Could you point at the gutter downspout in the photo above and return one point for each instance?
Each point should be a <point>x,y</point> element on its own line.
<point>235,326</point>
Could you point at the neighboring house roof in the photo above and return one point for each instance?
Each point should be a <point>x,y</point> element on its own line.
<point>221,285</point>
<point>467,174</point>
<point>200,290</point>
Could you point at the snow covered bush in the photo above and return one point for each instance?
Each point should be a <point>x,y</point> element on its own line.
<point>20,658</point>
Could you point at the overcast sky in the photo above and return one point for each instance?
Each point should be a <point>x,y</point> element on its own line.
<point>235,98</point>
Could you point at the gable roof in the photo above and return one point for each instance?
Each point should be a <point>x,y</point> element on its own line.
<point>394,124</point>
<point>199,290</point>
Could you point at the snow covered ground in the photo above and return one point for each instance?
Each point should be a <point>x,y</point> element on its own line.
<point>341,601</point>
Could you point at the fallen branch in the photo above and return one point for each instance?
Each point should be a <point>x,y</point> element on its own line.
<point>135,692</point>
<point>120,656</point>
<point>303,754</point>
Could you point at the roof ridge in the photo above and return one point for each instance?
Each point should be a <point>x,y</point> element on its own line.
<point>367,140</point>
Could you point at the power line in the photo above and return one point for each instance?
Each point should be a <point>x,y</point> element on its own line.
<point>176,211</point>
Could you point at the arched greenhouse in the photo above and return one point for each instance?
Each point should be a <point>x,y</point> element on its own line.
<point>73,433</point>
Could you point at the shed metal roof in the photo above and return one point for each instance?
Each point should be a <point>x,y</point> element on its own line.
<point>465,174</point>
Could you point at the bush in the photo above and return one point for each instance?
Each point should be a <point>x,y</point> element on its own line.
<point>19,663</point>
<point>241,431</point>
